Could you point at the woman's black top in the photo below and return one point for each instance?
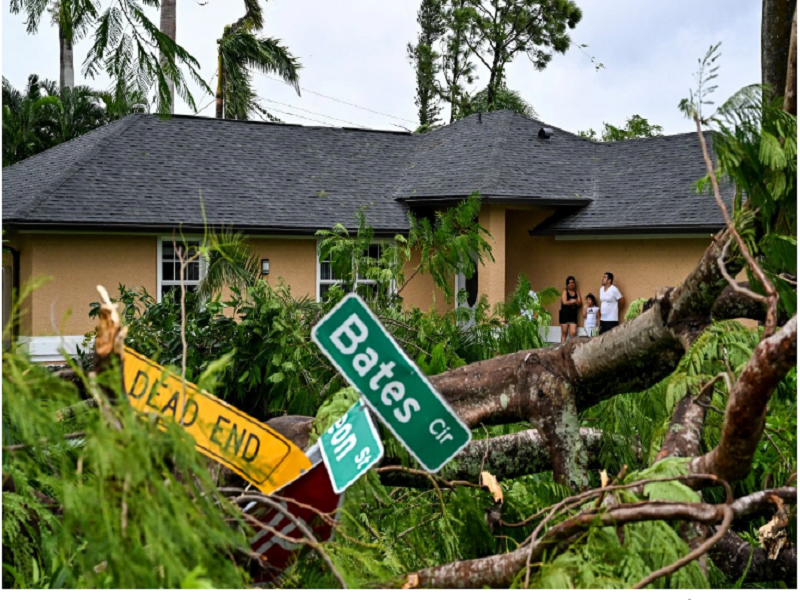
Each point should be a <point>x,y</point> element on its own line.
<point>569,314</point>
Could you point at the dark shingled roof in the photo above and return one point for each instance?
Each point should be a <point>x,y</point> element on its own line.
<point>143,172</point>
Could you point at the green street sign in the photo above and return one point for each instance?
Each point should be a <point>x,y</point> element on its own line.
<point>391,383</point>
<point>350,447</point>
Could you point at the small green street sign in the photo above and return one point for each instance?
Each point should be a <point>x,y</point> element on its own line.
<point>350,447</point>
<point>391,383</point>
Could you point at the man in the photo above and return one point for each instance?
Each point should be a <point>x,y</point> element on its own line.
<point>610,298</point>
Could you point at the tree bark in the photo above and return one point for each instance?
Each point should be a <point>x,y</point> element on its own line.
<point>169,28</point>
<point>746,412</point>
<point>220,86</point>
<point>790,93</point>
<point>731,555</point>
<point>66,58</point>
<point>776,27</point>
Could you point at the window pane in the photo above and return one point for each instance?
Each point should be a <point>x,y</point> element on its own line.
<point>323,288</point>
<point>192,271</point>
<point>325,270</point>
<point>167,250</point>
<point>168,271</point>
<point>374,251</point>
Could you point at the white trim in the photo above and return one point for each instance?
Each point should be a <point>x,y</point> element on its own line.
<point>319,282</point>
<point>160,257</point>
<point>47,348</point>
<point>634,236</point>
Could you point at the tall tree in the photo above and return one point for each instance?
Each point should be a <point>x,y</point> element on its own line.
<point>169,28</point>
<point>499,30</point>
<point>456,67</point>
<point>425,60</point>
<point>776,31</point>
<point>241,49</point>
<point>72,17</point>
<point>136,54</point>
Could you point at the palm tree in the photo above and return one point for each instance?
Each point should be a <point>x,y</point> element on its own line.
<point>44,115</point>
<point>79,110</point>
<point>73,17</point>
<point>239,50</point>
<point>25,120</point>
<point>168,28</point>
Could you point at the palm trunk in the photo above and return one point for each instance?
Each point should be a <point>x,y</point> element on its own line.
<point>168,27</point>
<point>67,70</point>
<point>776,31</point>
<point>220,77</point>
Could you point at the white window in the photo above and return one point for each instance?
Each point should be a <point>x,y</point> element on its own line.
<point>169,265</point>
<point>327,278</point>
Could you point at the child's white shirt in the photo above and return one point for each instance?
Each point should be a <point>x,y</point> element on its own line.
<point>591,316</point>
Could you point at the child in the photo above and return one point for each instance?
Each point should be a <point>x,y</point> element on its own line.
<point>591,315</point>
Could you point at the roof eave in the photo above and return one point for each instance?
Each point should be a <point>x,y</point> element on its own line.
<point>638,230</point>
<point>159,228</point>
<point>495,199</point>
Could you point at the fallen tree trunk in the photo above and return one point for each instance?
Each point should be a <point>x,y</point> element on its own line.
<point>735,557</point>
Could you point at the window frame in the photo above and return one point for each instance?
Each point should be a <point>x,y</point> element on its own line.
<point>320,282</point>
<point>160,281</point>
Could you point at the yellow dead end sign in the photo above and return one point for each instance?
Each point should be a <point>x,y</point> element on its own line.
<point>259,454</point>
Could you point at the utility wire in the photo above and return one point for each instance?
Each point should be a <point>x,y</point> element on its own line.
<point>314,113</point>
<point>302,117</point>
<point>343,101</point>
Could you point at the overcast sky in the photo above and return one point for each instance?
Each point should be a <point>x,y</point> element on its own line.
<point>355,51</point>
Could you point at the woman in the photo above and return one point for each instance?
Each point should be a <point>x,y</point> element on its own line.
<point>568,314</point>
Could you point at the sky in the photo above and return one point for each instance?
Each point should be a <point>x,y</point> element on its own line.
<point>354,59</point>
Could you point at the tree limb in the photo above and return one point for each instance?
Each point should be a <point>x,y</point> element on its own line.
<point>745,414</point>
<point>499,570</point>
<point>732,556</point>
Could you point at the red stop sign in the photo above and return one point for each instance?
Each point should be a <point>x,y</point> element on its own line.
<point>313,489</point>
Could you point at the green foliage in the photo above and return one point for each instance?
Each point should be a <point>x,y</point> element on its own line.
<point>424,58</point>
<point>635,309</point>
<point>635,127</point>
<point>498,31</point>
<point>504,99</point>
<point>135,53</point>
<point>240,50</point>
<point>129,505</point>
<point>43,115</point>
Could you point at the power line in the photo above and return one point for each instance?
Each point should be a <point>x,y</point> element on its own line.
<point>302,117</point>
<point>344,102</point>
<point>314,113</point>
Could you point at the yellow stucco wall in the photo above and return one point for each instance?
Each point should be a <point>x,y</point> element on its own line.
<point>76,263</point>
<point>492,275</point>
<point>421,291</point>
<point>292,259</point>
<point>641,267</point>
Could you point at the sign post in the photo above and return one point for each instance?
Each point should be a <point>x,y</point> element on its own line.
<point>350,447</point>
<point>259,454</point>
<point>391,383</point>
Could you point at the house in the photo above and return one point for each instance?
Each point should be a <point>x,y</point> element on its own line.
<point>101,209</point>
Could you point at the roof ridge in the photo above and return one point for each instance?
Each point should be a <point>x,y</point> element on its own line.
<point>77,167</point>
<point>281,124</point>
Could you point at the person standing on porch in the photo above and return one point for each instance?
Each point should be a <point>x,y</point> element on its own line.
<point>568,314</point>
<point>610,298</point>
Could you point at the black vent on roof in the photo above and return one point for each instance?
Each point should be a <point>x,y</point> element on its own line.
<point>545,133</point>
